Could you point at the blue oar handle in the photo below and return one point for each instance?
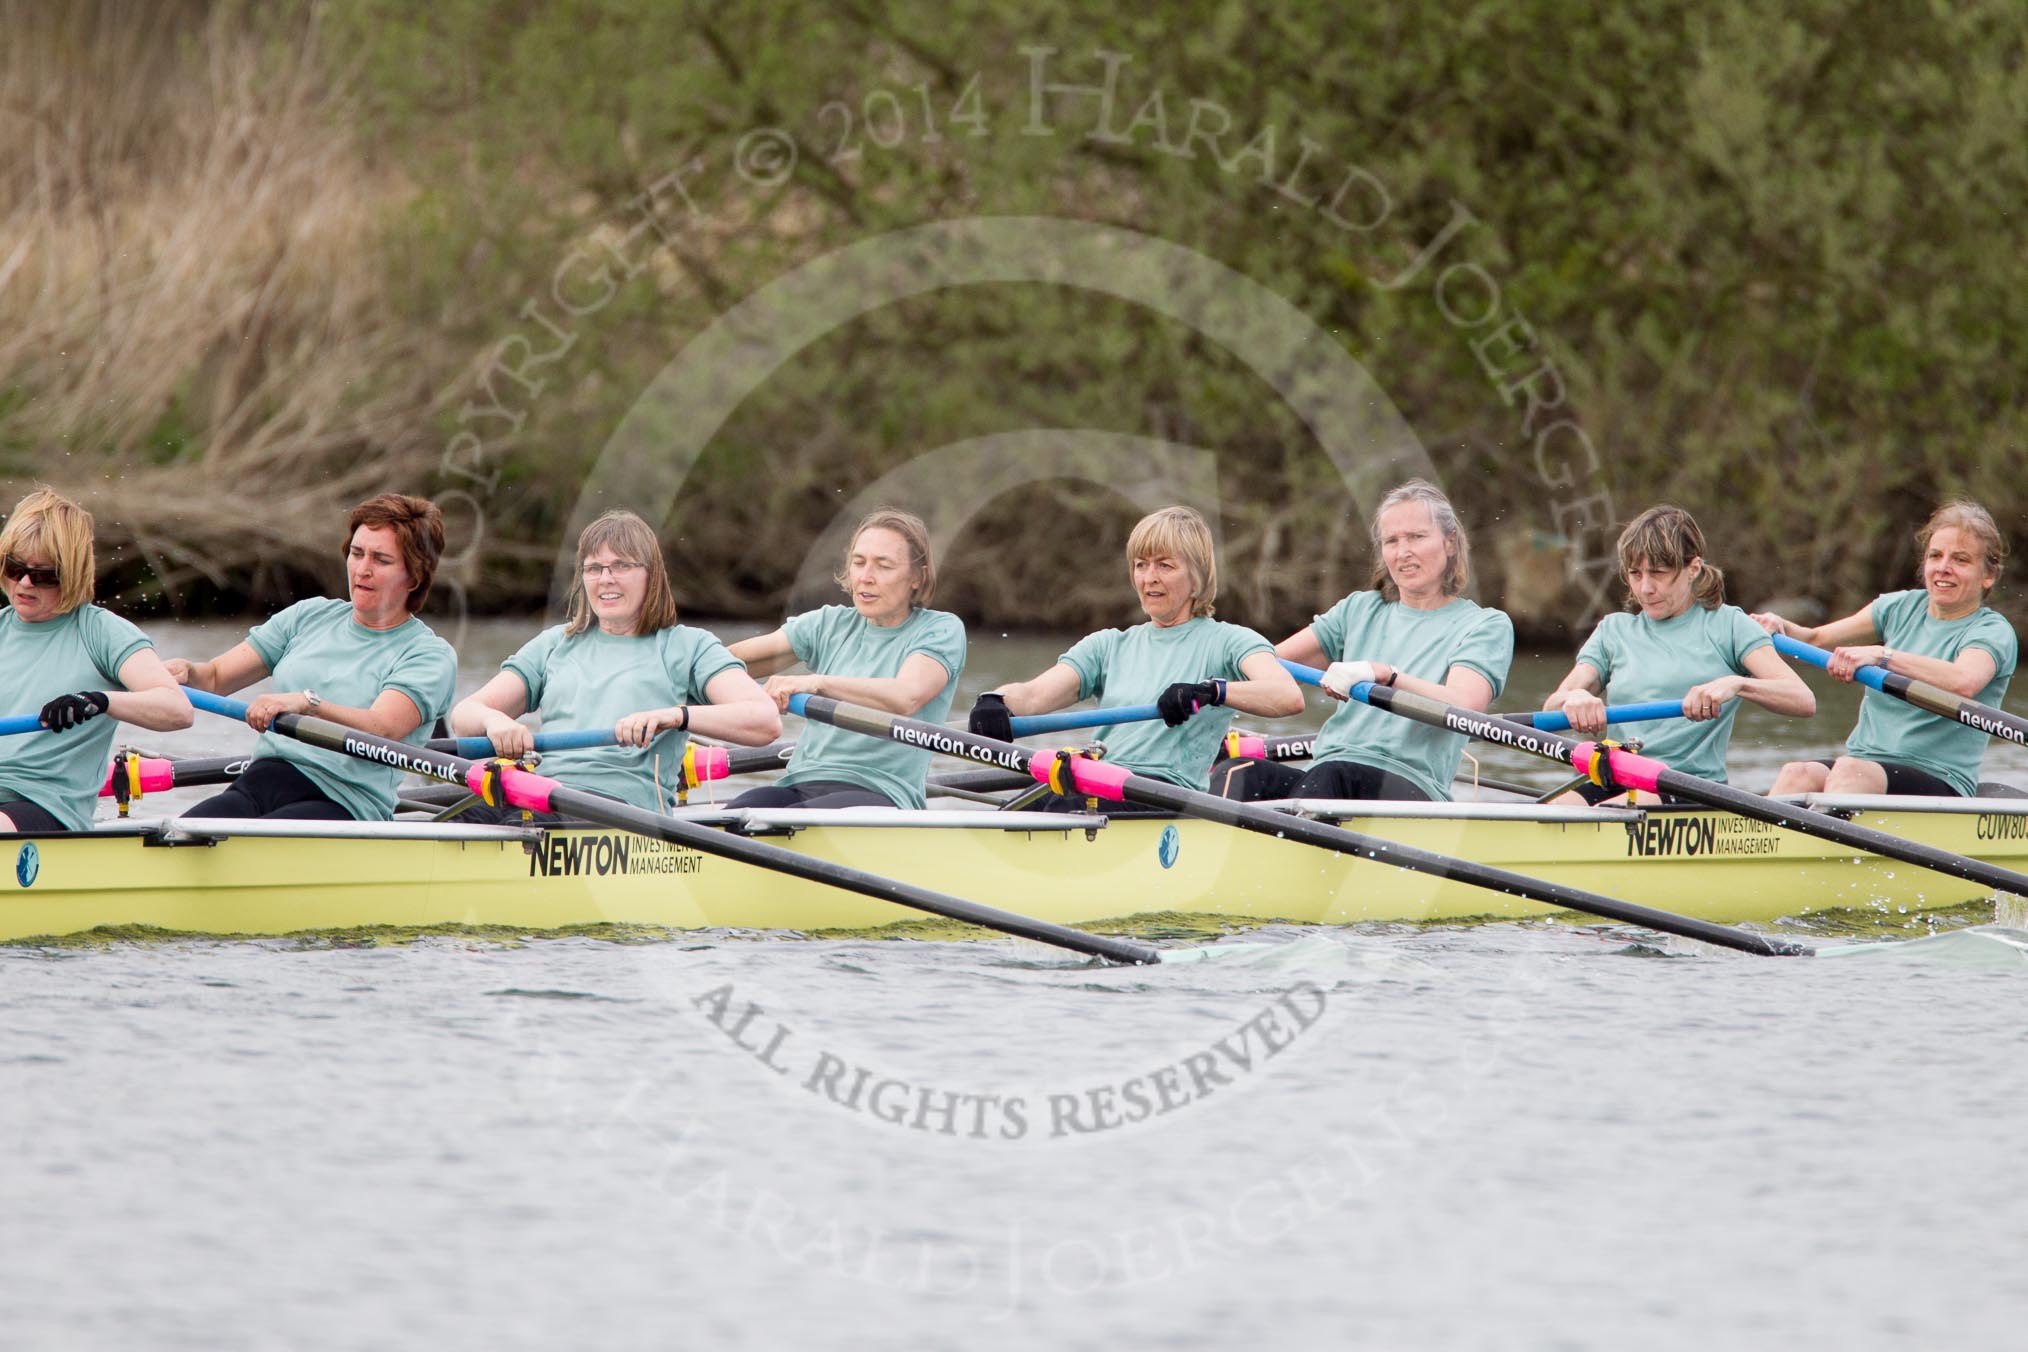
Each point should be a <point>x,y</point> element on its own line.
<point>1557,721</point>
<point>1028,724</point>
<point>25,723</point>
<point>215,704</point>
<point>468,747</point>
<point>1819,657</point>
<point>481,747</point>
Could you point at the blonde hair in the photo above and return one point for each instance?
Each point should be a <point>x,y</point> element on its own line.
<point>47,523</point>
<point>626,535</point>
<point>1966,516</point>
<point>1667,538</point>
<point>1180,533</point>
<point>1457,549</point>
<point>911,529</point>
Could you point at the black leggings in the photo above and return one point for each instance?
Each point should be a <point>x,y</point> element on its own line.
<point>1906,779</point>
<point>812,793</point>
<point>1251,781</point>
<point>28,816</point>
<point>274,789</point>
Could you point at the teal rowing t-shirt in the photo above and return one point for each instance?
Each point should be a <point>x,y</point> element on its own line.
<point>594,679</point>
<point>838,641</point>
<point>82,649</point>
<point>1638,659</point>
<point>1426,644</point>
<point>1893,730</point>
<point>1120,667</point>
<point>318,645</point>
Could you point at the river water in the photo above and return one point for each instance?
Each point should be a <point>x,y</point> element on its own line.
<point>1503,1136</point>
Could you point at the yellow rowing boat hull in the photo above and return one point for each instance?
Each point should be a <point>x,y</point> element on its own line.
<point>266,878</point>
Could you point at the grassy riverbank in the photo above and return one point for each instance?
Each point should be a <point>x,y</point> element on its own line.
<point>258,261</point>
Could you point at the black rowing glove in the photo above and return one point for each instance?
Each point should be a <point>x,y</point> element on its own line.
<point>1185,698</point>
<point>991,719</point>
<point>68,711</point>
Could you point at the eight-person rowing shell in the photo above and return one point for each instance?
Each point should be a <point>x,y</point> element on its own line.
<point>67,661</point>
<point>366,663</point>
<point>1195,669</point>
<point>887,650</point>
<point>621,662</point>
<point>1943,634</point>
<point>1414,630</point>
<point>1681,641</point>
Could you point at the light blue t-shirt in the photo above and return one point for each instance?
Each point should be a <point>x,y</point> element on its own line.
<point>318,645</point>
<point>1893,730</point>
<point>1426,644</point>
<point>838,641</point>
<point>1134,666</point>
<point>1639,659</point>
<point>82,649</point>
<point>594,679</point>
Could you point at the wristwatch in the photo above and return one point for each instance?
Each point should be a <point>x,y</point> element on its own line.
<point>1886,654</point>
<point>314,698</point>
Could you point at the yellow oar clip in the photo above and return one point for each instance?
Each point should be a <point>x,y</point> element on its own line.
<point>1061,778</point>
<point>1600,769</point>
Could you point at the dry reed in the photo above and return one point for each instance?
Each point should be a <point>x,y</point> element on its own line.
<point>193,338</point>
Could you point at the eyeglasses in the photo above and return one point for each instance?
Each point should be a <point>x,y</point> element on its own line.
<point>593,571</point>
<point>15,569</point>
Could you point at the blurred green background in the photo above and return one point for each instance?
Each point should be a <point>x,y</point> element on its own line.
<point>258,261</point>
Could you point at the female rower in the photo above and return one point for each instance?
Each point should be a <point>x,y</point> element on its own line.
<point>620,662</point>
<point>70,661</point>
<point>1193,668</point>
<point>887,650</point>
<point>1943,634</point>
<point>367,663</point>
<point>1682,641</point>
<point>1413,630</point>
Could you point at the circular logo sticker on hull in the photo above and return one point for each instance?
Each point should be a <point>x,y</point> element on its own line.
<point>1172,843</point>
<point>27,864</point>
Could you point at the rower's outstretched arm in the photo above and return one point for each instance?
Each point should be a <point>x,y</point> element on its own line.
<point>493,711</point>
<point>1302,646</point>
<point>1967,674</point>
<point>504,698</point>
<point>234,669</point>
<point>152,699</point>
<point>1578,696</point>
<point>738,711</point>
<point>1268,690</point>
<point>765,654</point>
<point>1774,685</point>
<point>1854,628</point>
<point>1054,689</point>
<point>921,679</point>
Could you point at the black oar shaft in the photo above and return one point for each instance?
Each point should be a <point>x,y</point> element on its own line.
<point>1790,816</point>
<point>1930,698</point>
<point>707,840</point>
<point>1265,821</point>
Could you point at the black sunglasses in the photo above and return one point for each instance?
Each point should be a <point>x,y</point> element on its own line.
<point>38,577</point>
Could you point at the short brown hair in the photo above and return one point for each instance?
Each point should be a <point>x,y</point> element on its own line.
<point>910,528</point>
<point>419,527</point>
<point>1966,516</point>
<point>1457,549</point>
<point>47,523</point>
<point>628,536</point>
<point>1181,534</point>
<point>1668,538</point>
